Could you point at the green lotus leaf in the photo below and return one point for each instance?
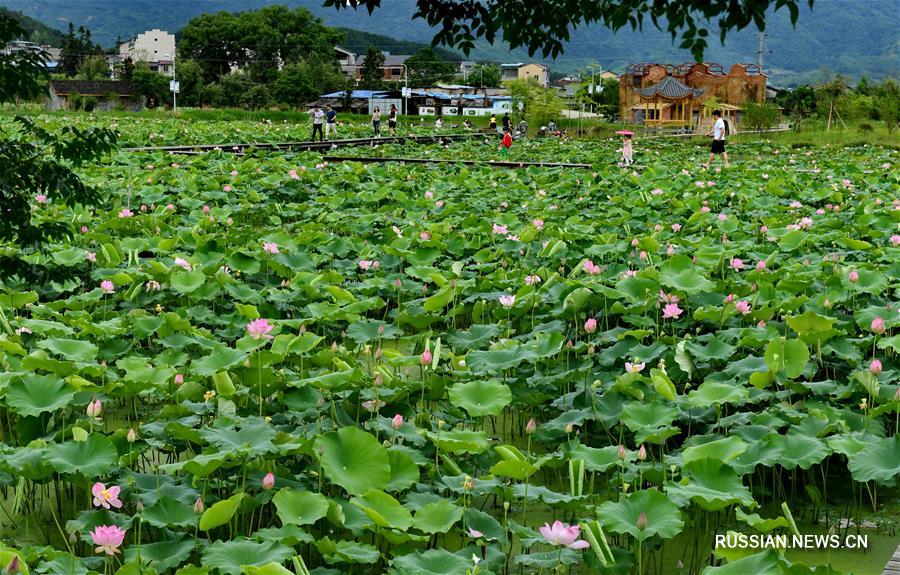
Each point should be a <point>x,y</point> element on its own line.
<point>367,330</point>
<point>431,562</point>
<point>460,441</point>
<point>36,394</point>
<point>437,517</point>
<point>663,517</point>
<point>712,392</point>
<point>167,512</point>
<point>711,484</point>
<point>352,552</point>
<point>384,510</point>
<point>597,459</point>
<point>229,557</point>
<point>187,281</point>
<point>70,349</point>
<point>481,398</point>
<point>355,460</point>
<point>162,555</point>
<point>724,450</point>
<point>92,457</point>
<point>299,507</point>
<point>404,471</point>
<point>220,513</point>
<point>221,358</point>
<point>812,327</point>
<point>879,461</point>
<point>787,355</point>
<point>760,524</point>
<point>680,273</point>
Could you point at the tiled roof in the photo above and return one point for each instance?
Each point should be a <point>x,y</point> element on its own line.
<point>94,88</point>
<point>670,88</point>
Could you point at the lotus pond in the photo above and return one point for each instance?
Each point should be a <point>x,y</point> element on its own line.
<point>268,364</point>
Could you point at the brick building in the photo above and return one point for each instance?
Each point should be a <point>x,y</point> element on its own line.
<point>667,95</point>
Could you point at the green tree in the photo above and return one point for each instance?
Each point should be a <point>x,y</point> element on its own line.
<point>887,103</point>
<point>190,79</point>
<point>94,68</point>
<point>126,69</point>
<point>484,76</point>
<point>153,86</point>
<point>34,161</point>
<point>759,116</point>
<point>371,74</point>
<point>255,98</point>
<point>75,48</point>
<point>538,104</point>
<point>525,23</point>
<point>605,98</point>
<point>426,68</point>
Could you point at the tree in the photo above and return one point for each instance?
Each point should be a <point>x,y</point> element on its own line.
<point>371,74</point>
<point>484,76</point>
<point>539,105</point>
<point>94,68</point>
<point>36,162</point>
<point>126,69</point>
<point>190,79</point>
<point>426,68</point>
<point>153,86</point>
<point>525,23</point>
<point>300,83</point>
<point>74,49</point>
<point>759,116</point>
<point>605,100</point>
<point>887,104</point>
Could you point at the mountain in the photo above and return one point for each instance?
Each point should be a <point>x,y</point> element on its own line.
<point>358,41</point>
<point>36,31</point>
<point>853,37</point>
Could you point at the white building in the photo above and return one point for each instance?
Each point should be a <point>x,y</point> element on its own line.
<point>156,47</point>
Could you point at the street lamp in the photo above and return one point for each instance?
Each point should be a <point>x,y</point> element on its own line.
<point>173,85</point>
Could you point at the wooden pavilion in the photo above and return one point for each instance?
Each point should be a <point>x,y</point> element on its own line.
<point>669,102</point>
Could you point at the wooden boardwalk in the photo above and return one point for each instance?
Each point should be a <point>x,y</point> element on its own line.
<point>239,148</point>
<point>488,163</point>
<point>893,566</point>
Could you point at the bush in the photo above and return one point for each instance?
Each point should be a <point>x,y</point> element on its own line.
<point>759,116</point>
<point>865,127</point>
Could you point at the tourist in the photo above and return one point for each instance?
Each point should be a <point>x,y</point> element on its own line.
<point>392,120</point>
<point>493,125</point>
<point>627,150</point>
<point>551,127</point>
<point>507,123</point>
<point>506,144</point>
<point>376,121</point>
<point>718,144</point>
<point>439,123</point>
<point>467,124</point>
<point>330,123</point>
<point>318,116</point>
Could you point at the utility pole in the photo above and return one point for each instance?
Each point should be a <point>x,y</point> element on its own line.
<point>762,50</point>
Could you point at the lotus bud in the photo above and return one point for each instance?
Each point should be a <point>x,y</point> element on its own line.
<point>591,350</point>
<point>853,277</point>
<point>622,454</point>
<point>268,482</point>
<point>570,428</point>
<point>569,344</point>
<point>378,353</point>
<point>878,325</point>
<point>378,380</point>
<point>179,379</point>
<point>642,453</point>
<point>641,522</point>
<point>763,229</point>
<point>397,421</point>
<point>875,367</point>
<point>198,506</point>
<point>73,538</point>
<point>381,330</point>
<point>469,483</point>
<point>590,326</point>
<point>634,242</point>
<point>320,403</point>
<point>131,436</point>
<point>761,265</point>
<point>13,566</point>
<point>334,347</point>
<point>397,283</point>
<point>426,357</point>
<point>139,506</point>
<point>531,426</point>
<point>94,408</point>
<point>897,394</point>
<point>729,298</point>
<point>303,330</point>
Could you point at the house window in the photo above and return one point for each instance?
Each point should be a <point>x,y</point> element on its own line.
<point>396,72</point>
<point>636,81</point>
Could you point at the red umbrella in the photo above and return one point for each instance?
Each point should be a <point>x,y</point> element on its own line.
<point>625,133</point>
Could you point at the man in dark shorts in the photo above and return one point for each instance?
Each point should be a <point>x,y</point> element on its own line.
<point>330,123</point>
<point>318,117</point>
<point>718,143</point>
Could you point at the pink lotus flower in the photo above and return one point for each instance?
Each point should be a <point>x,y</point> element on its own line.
<point>805,223</point>
<point>23,329</point>
<point>877,325</point>
<point>424,236</point>
<point>108,538</point>
<point>125,213</point>
<point>429,194</point>
<point>672,311</point>
<point>226,188</point>
<point>90,256</point>
<point>668,298</point>
<point>722,217</point>
<point>705,209</point>
<point>259,329</point>
<point>293,174</point>
<point>676,227</point>
<point>105,498</point>
<point>564,535</point>
<point>853,276</point>
<point>84,229</point>
<point>531,426</point>
<point>761,266</point>
<point>366,264</point>
<point>152,285</point>
<point>183,264</point>
<point>590,326</point>
<point>761,324</point>
<point>642,255</point>
<point>397,421</point>
<point>737,263</point>
<point>268,482</point>
<point>591,268</point>
<point>763,229</point>
<point>634,367</point>
<point>895,240</point>
<point>532,280</point>
<point>41,199</point>
<point>656,192</point>
<point>107,286</point>
<point>875,367</point>
<point>539,224</point>
<point>629,273</point>
<point>270,248</point>
<point>729,298</point>
<point>439,203</point>
<point>670,251</point>
<point>94,408</point>
<point>500,229</point>
<point>234,173</point>
<point>170,207</point>
<point>179,379</point>
<point>474,533</point>
<point>743,307</point>
<point>426,357</point>
<point>507,300</point>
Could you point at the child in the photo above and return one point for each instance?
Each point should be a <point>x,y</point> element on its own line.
<point>627,150</point>
<point>506,144</point>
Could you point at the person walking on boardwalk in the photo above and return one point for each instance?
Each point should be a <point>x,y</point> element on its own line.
<point>507,123</point>
<point>330,123</point>
<point>318,117</point>
<point>392,120</point>
<point>493,125</point>
<point>718,132</point>
<point>627,150</point>
<point>376,121</point>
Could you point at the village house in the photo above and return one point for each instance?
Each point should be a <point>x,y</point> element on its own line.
<point>155,47</point>
<point>51,55</point>
<point>393,69</point>
<point>663,95</point>
<point>521,71</point>
<point>102,95</point>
